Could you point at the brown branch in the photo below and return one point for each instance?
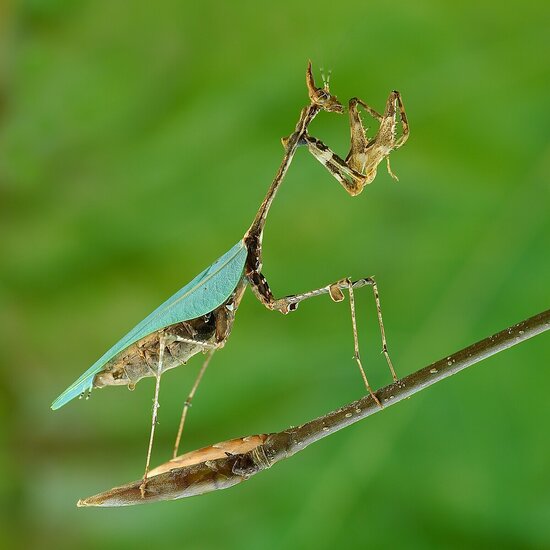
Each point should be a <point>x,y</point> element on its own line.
<point>228,463</point>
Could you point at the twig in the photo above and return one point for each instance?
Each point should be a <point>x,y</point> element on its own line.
<point>228,463</point>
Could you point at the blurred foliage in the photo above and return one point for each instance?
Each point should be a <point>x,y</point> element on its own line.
<point>137,141</point>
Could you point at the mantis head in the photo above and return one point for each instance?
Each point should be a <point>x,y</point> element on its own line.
<point>322,96</point>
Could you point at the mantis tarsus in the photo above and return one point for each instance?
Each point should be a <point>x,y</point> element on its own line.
<point>200,316</point>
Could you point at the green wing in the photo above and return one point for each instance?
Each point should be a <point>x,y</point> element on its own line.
<point>203,294</point>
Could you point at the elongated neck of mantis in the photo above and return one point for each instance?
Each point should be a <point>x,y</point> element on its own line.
<point>306,116</point>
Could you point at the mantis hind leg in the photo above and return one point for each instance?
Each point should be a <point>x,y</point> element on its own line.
<point>162,345</point>
<point>189,399</point>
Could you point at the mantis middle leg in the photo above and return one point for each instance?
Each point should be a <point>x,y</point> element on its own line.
<point>261,289</point>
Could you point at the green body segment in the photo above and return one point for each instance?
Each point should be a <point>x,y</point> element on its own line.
<point>203,294</point>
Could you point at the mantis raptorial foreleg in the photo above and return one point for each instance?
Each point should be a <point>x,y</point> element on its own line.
<point>290,303</point>
<point>359,167</point>
<point>189,399</point>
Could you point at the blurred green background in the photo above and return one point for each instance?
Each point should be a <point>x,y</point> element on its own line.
<point>137,141</point>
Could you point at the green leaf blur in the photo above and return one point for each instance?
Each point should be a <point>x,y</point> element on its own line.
<point>137,141</point>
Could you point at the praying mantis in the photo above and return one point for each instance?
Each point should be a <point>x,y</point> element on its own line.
<point>200,316</point>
